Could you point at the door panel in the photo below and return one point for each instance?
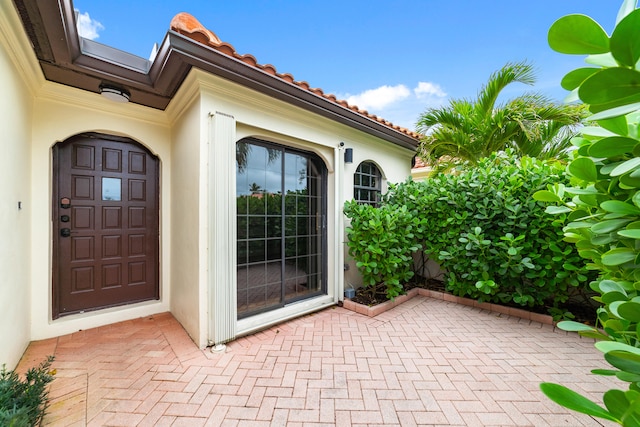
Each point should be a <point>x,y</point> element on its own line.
<point>106,238</point>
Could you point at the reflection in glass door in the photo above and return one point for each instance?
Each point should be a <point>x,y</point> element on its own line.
<point>280,196</point>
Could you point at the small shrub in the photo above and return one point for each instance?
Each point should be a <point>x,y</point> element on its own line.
<point>382,242</point>
<point>24,402</point>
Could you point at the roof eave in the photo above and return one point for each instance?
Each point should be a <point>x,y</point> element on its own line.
<point>67,59</point>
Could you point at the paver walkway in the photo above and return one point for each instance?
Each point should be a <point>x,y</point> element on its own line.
<point>425,362</point>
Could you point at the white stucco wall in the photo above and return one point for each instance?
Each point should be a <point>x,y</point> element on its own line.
<point>16,105</point>
<point>187,271</point>
<point>62,112</point>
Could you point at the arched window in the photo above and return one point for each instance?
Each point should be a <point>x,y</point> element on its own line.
<point>367,184</point>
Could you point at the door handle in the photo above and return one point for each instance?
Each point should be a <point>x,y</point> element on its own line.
<point>65,232</point>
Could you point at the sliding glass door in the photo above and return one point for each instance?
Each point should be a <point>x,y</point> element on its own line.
<point>281,217</point>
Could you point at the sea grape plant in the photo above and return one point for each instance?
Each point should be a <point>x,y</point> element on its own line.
<point>603,202</point>
<point>494,241</point>
<point>382,241</point>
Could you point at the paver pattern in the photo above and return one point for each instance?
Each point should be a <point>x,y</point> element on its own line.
<point>425,362</point>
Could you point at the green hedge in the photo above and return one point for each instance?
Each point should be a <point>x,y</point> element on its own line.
<point>483,227</point>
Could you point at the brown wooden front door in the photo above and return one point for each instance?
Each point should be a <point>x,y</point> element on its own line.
<point>105,224</point>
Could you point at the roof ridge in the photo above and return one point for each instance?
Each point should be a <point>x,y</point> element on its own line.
<point>187,25</point>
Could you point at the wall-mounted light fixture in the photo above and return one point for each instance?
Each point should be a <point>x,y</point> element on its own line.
<point>348,155</point>
<point>114,93</point>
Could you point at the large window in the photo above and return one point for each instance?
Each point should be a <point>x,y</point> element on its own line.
<point>281,199</point>
<point>366,183</point>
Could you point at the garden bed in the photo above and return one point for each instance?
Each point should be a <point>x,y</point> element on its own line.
<point>373,305</point>
<point>379,308</point>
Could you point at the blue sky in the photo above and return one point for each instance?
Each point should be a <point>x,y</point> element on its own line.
<point>392,58</point>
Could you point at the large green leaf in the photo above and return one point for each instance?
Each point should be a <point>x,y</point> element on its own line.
<point>611,298</point>
<point>607,346</point>
<point>574,401</point>
<point>578,34</point>
<point>615,124</point>
<point>612,146</point>
<point>627,166</point>
<point>546,196</point>
<point>631,234</point>
<point>556,210</point>
<point>572,97</point>
<point>576,190</point>
<point>630,311</point>
<point>597,131</point>
<point>611,286</point>
<point>629,182</point>
<point>617,403</point>
<point>625,43</point>
<point>615,112</point>
<point>583,168</point>
<point>611,86</point>
<point>625,376</point>
<point>602,60</point>
<point>627,7</point>
<point>618,256</point>
<point>571,326</point>
<point>609,225</point>
<point>624,361</point>
<point>620,207</point>
<point>574,78</point>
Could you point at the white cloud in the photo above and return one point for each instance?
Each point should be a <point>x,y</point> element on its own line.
<point>379,98</point>
<point>398,104</point>
<point>428,90</point>
<point>87,27</point>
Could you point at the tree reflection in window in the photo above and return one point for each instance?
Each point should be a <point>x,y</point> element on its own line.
<point>280,215</point>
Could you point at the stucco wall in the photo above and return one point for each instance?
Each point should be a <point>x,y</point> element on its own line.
<point>60,113</point>
<point>15,109</point>
<point>185,224</point>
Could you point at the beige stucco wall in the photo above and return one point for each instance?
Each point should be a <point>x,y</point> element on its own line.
<point>16,106</point>
<point>61,112</point>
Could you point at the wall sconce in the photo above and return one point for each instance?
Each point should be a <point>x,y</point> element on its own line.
<point>114,93</point>
<point>348,155</point>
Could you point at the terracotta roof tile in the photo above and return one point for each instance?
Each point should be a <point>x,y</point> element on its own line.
<point>419,163</point>
<point>189,26</point>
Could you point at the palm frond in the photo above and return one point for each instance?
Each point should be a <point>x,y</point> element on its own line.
<point>520,72</point>
<point>462,132</point>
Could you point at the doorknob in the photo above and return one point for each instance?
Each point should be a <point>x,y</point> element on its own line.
<point>65,232</point>
<point>65,203</point>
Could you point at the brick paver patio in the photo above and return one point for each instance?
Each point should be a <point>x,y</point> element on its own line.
<point>425,362</point>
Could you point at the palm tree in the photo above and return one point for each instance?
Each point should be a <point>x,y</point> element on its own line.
<point>255,188</point>
<point>465,131</point>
